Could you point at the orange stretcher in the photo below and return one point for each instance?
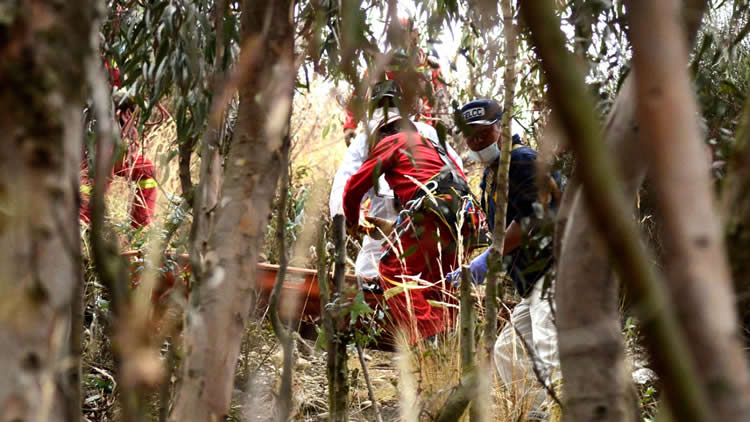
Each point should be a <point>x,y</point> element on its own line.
<point>299,299</point>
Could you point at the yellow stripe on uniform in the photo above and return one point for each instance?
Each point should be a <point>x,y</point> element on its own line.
<point>147,183</point>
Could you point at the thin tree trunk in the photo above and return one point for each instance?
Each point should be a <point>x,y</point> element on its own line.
<point>74,400</point>
<point>695,260</point>
<point>338,336</point>
<point>41,84</point>
<point>459,399</point>
<point>166,387</point>
<point>609,211</point>
<point>283,334</point>
<point>185,152</point>
<point>736,202</point>
<point>206,198</point>
<point>501,205</point>
<point>468,348</point>
<point>467,323</point>
<point>592,351</point>
<point>596,384</point>
<point>128,331</point>
<point>216,322</point>
<point>368,383</point>
<point>581,17</point>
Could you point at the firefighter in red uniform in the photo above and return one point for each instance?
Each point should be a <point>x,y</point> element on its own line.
<point>410,66</point>
<point>433,191</point>
<point>137,169</point>
<point>132,166</point>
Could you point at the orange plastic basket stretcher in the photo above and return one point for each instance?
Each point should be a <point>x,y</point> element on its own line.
<point>300,296</point>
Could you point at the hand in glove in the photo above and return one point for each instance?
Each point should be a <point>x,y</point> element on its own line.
<point>352,230</point>
<point>477,267</point>
<point>377,228</point>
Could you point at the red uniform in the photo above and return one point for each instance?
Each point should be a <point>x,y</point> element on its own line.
<point>424,66</point>
<point>428,244</point>
<point>135,168</point>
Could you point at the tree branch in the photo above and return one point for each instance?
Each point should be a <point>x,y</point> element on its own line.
<point>282,333</point>
<point>695,261</point>
<point>368,382</point>
<point>459,399</point>
<point>603,193</point>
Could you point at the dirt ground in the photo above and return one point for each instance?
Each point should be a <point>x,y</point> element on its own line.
<point>431,373</point>
<point>255,389</point>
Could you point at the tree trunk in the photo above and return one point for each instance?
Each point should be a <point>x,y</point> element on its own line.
<point>695,261</point>
<point>468,348</point>
<point>207,196</point>
<point>596,385</point>
<point>283,334</point>
<point>338,334</point>
<point>42,50</point>
<point>501,204</point>
<point>216,322</point>
<point>608,208</point>
<point>592,351</point>
<point>736,202</point>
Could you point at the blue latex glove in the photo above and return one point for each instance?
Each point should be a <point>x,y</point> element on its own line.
<point>477,267</point>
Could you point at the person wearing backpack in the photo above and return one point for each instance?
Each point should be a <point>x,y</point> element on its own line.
<point>438,211</point>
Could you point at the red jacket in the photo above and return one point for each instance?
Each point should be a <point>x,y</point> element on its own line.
<point>137,169</point>
<point>397,156</point>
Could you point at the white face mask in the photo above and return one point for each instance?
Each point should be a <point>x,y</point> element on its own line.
<point>487,154</point>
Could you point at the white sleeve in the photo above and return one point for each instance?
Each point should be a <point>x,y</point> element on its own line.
<point>427,131</point>
<point>430,133</point>
<point>355,155</point>
<point>454,155</point>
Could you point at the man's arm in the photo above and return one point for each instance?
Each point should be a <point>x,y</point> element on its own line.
<point>479,266</point>
<point>378,163</point>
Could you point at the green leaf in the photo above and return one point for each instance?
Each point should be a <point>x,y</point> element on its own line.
<point>439,304</point>
<point>393,291</point>
<point>407,253</point>
<point>322,341</point>
<point>359,307</point>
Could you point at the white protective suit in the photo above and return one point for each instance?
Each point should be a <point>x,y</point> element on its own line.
<point>381,202</point>
<point>531,319</point>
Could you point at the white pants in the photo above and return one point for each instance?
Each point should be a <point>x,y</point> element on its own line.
<point>532,319</point>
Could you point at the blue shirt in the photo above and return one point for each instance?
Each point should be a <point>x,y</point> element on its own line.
<point>528,262</point>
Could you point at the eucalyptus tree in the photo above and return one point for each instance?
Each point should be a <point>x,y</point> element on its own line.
<point>43,51</point>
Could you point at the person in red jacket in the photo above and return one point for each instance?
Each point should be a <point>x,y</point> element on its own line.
<point>137,169</point>
<point>131,165</point>
<point>411,67</point>
<point>425,243</point>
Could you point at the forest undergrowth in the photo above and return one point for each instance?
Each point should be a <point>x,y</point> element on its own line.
<point>430,370</point>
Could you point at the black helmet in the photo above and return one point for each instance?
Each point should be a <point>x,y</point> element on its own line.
<point>382,91</point>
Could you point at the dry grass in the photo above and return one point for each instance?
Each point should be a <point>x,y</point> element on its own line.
<point>158,145</point>
<point>431,371</point>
